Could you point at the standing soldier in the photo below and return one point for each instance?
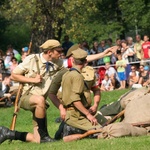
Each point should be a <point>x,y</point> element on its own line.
<point>36,73</point>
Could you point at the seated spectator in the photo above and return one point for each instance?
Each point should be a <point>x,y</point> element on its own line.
<point>7,60</point>
<point>14,64</point>
<point>2,68</point>
<point>106,84</point>
<point>24,55</point>
<point>5,87</point>
<point>25,49</point>
<point>133,76</point>
<point>144,75</point>
<point>112,74</point>
<point>1,54</point>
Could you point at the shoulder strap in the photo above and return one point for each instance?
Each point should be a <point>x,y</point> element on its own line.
<point>71,69</point>
<point>37,64</point>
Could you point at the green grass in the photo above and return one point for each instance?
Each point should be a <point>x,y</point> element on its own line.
<point>24,123</point>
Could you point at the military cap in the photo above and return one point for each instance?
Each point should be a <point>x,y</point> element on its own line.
<point>71,49</point>
<point>50,44</point>
<point>79,54</point>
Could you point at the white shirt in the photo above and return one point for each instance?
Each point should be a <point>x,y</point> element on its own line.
<point>136,72</point>
<point>125,53</point>
<point>110,71</point>
<point>105,83</point>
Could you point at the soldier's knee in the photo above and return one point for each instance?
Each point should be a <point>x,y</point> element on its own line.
<point>40,100</point>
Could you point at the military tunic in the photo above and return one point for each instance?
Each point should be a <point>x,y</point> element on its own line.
<point>72,90</point>
<point>32,65</point>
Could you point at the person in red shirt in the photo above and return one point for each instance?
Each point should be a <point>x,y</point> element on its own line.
<point>146,48</point>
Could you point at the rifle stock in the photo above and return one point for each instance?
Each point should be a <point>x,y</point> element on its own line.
<point>30,44</point>
<point>16,109</point>
<point>114,118</point>
<point>74,137</point>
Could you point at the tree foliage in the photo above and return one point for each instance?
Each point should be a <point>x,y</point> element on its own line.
<point>81,20</point>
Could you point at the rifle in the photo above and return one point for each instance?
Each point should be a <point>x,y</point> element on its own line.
<point>16,107</point>
<point>30,44</point>
<point>74,137</point>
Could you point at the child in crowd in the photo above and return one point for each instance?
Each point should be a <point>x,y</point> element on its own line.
<point>121,65</point>
<point>106,84</point>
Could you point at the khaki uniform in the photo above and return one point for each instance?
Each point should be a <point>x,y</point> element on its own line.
<point>73,87</point>
<point>90,83</point>
<point>30,68</point>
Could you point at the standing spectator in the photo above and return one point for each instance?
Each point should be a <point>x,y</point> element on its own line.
<point>138,47</point>
<point>66,44</point>
<point>126,52</point>
<point>94,50</point>
<point>121,65</point>
<point>86,47</point>
<point>118,43</point>
<point>101,48</point>
<point>106,84</point>
<point>112,57</point>
<point>130,45</point>
<point>109,42</point>
<point>146,48</point>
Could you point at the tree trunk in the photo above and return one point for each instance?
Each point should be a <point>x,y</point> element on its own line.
<point>43,21</point>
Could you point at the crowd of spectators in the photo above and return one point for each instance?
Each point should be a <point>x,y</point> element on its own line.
<point>121,69</point>
<point>129,65</point>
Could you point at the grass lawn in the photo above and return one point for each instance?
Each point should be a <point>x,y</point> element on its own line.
<point>24,123</point>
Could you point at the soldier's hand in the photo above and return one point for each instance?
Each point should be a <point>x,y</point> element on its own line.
<point>7,95</point>
<point>63,113</point>
<point>92,119</point>
<point>93,109</point>
<point>111,50</point>
<point>38,79</point>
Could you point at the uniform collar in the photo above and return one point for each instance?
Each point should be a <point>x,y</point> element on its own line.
<point>43,59</point>
<point>76,68</point>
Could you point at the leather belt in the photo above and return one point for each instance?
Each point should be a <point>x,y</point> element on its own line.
<point>69,108</point>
